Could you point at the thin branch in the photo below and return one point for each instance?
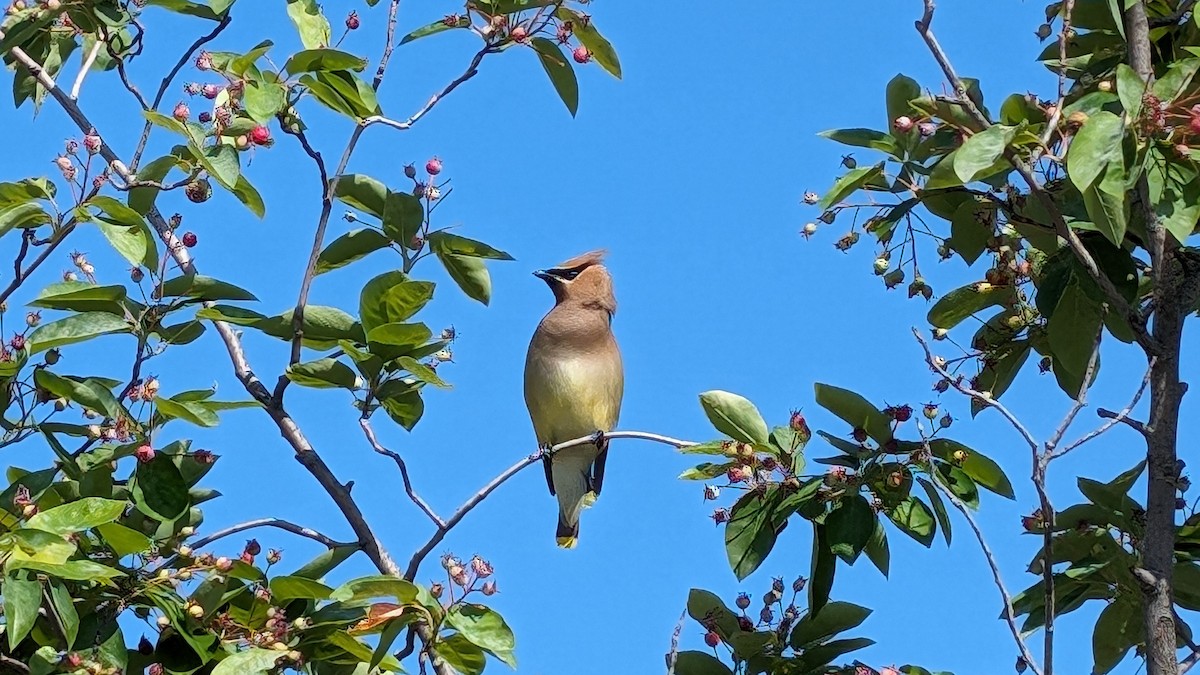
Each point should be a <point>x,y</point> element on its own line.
<point>1132,314</point>
<point>1123,419</point>
<point>1174,17</point>
<point>1064,36</point>
<point>166,83</point>
<point>388,46</point>
<point>1113,418</point>
<point>986,399</point>
<point>270,522</point>
<point>9,661</point>
<point>1010,615</point>
<point>87,66</point>
<point>365,423</point>
<point>20,276</point>
<point>415,564</point>
<point>471,71</point>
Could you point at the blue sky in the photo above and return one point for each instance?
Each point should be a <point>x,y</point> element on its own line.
<point>689,171</point>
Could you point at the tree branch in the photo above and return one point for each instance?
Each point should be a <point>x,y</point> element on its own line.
<point>365,423</point>
<point>1113,418</point>
<point>415,563</point>
<point>1132,314</point>
<point>471,71</point>
<point>271,522</point>
<point>388,46</point>
<point>1080,399</point>
<point>977,395</point>
<point>1010,615</point>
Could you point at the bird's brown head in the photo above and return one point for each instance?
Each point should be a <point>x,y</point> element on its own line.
<point>582,281</point>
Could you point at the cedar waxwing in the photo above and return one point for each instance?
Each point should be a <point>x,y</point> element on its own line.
<point>574,382</point>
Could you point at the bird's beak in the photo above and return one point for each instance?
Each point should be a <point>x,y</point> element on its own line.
<point>543,275</point>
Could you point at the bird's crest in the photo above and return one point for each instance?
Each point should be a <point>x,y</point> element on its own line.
<point>583,260</point>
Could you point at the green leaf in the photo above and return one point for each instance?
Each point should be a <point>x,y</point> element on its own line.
<point>64,610</point>
<point>699,663</point>
<point>311,60</point>
<point>560,72</point>
<point>978,466</point>
<point>486,629</point>
<point>392,298</point>
<point>310,23</point>
<point>599,47</point>
<point>222,163</point>
<point>980,152</point>
<point>203,288</point>
<point>735,416</point>
<point>939,507</point>
<point>122,540</point>
<point>158,489</point>
<point>23,216</point>
<point>401,402</point>
<point>77,516</point>
<point>461,654</point>
<point>187,8</point>
<point>915,519</point>
<point>249,197</point>
<point>350,89</point>
<point>452,243</point>
<point>1097,143</point>
<point>134,243</point>
<point>901,90</point>
<point>847,184</point>
<point>323,374</point>
<point>824,565</point>
<point>850,526</point>
<point>952,308</point>
<point>706,607</point>
<point>378,586</point>
<point>469,273</point>
<point>855,410</point>
<point>751,532</point>
<point>1118,628</point>
<point>22,598</point>
<point>190,411</point>
<point>817,627</point>
<point>253,661</point>
<point>1130,88</point>
<point>361,192</point>
<point>40,547</point>
<point>877,549</point>
<point>826,653</point>
<point>73,329</point>
<point>403,215</point>
<point>350,247</point>
<point>80,296</point>
<point>422,372</point>
<point>264,99</point>
<point>863,138</point>
<point>706,471</point>
<point>998,375</point>
<point>117,212</point>
<point>433,28</point>
<point>90,393</point>
<point>1177,78</point>
<point>1072,333</point>
<point>75,570</point>
<point>970,230</point>
<point>325,562</point>
<point>401,337</point>
<point>292,587</point>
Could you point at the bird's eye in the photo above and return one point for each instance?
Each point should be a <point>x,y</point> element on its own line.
<point>570,274</point>
<point>566,275</point>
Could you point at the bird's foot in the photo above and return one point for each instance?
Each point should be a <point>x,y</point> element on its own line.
<point>542,452</point>
<point>598,438</point>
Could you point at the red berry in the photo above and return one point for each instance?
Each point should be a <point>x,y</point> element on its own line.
<point>1194,124</point>
<point>18,342</point>
<point>181,112</point>
<point>712,639</point>
<point>581,54</point>
<point>352,22</point>
<point>260,135</point>
<point>434,166</point>
<point>189,239</point>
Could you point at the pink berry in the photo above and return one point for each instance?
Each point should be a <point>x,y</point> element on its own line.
<point>260,135</point>
<point>903,124</point>
<point>519,34</point>
<point>181,112</point>
<point>204,61</point>
<point>189,239</point>
<point>92,142</point>
<point>210,91</point>
<point>581,54</point>
<point>144,453</point>
<point>434,166</point>
<point>1194,124</point>
<point>352,21</point>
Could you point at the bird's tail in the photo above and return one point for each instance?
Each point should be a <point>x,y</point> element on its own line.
<point>567,536</point>
<point>571,488</point>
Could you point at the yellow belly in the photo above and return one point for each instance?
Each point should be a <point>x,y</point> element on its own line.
<point>570,398</point>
